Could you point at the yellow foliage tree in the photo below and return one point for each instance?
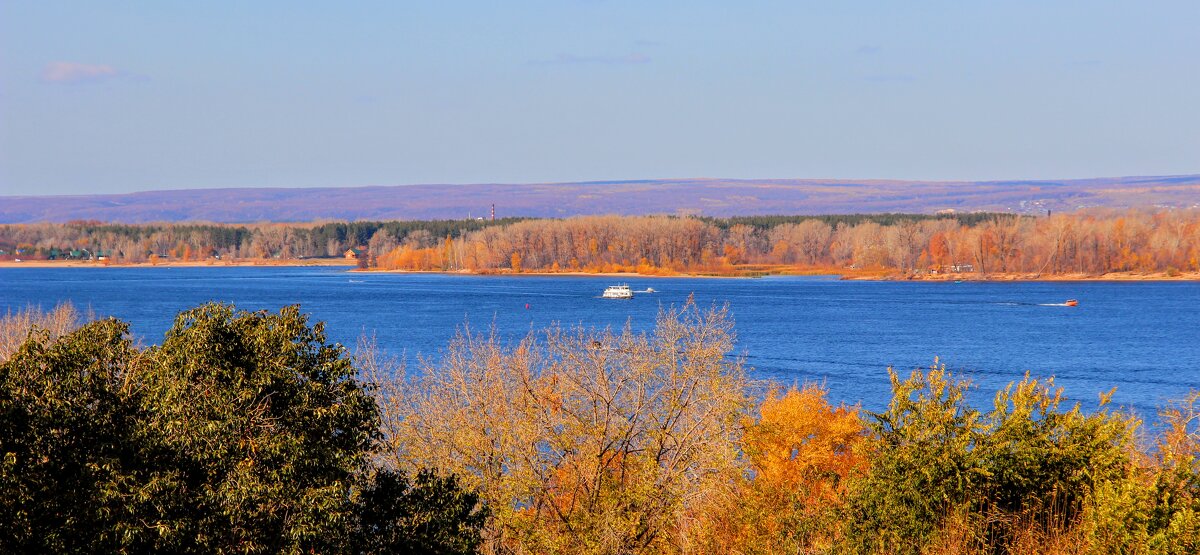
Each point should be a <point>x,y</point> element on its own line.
<point>586,442</point>
<point>801,454</point>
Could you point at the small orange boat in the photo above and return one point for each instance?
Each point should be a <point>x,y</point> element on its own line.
<point>1071,302</point>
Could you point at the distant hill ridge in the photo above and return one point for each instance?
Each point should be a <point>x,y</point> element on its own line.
<point>709,197</point>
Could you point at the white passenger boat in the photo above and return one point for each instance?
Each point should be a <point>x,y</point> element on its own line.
<point>618,292</point>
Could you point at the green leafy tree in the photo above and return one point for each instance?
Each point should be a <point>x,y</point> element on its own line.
<point>267,426</point>
<point>1042,459</point>
<point>244,432</point>
<point>921,464</point>
<point>71,478</point>
<point>943,473</point>
<point>430,515</point>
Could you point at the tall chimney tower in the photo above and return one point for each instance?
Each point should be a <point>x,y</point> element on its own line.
<point>493,211</point>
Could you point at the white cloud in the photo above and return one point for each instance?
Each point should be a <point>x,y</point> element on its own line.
<point>73,72</point>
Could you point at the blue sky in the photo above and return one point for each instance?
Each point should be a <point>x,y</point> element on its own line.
<point>119,96</point>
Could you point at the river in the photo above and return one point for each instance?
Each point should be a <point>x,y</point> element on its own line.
<point>1141,337</point>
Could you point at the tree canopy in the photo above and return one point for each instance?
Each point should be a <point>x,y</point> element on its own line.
<point>243,432</point>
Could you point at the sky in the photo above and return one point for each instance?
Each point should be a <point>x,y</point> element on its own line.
<point>116,96</point>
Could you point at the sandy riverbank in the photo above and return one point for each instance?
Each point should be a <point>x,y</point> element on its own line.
<point>1017,276</point>
<point>631,275</point>
<point>858,275</point>
<point>174,263</point>
<point>756,271</point>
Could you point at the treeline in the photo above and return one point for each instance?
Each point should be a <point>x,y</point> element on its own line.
<point>885,218</point>
<point>1084,243</point>
<point>245,432</point>
<point>87,239</point>
<point>1081,243</point>
<point>188,242</point>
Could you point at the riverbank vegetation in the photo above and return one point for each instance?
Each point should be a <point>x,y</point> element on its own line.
<point>1164,243</point>
<point>246,432</point>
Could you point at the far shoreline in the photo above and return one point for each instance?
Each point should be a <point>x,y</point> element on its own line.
<point>210,263</point>
<point>839,273</point>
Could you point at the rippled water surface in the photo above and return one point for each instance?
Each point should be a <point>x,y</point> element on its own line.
<point>1143,338</point>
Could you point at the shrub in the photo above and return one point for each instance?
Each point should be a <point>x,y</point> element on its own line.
<point>17,327</point>
<point>922,463</point>
<point>943,473</point>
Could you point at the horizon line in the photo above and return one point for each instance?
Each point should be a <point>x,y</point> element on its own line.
<point>666,180</point>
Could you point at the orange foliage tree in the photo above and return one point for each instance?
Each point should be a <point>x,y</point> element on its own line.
<point>801,454</point>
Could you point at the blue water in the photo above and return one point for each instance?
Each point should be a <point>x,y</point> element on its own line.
<point>1143,338</point>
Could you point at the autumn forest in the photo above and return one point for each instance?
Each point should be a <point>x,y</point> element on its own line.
<point>1083,243</point>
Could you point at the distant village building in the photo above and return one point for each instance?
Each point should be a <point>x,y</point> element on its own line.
<point>961,268</point>
<point>355,253</point>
